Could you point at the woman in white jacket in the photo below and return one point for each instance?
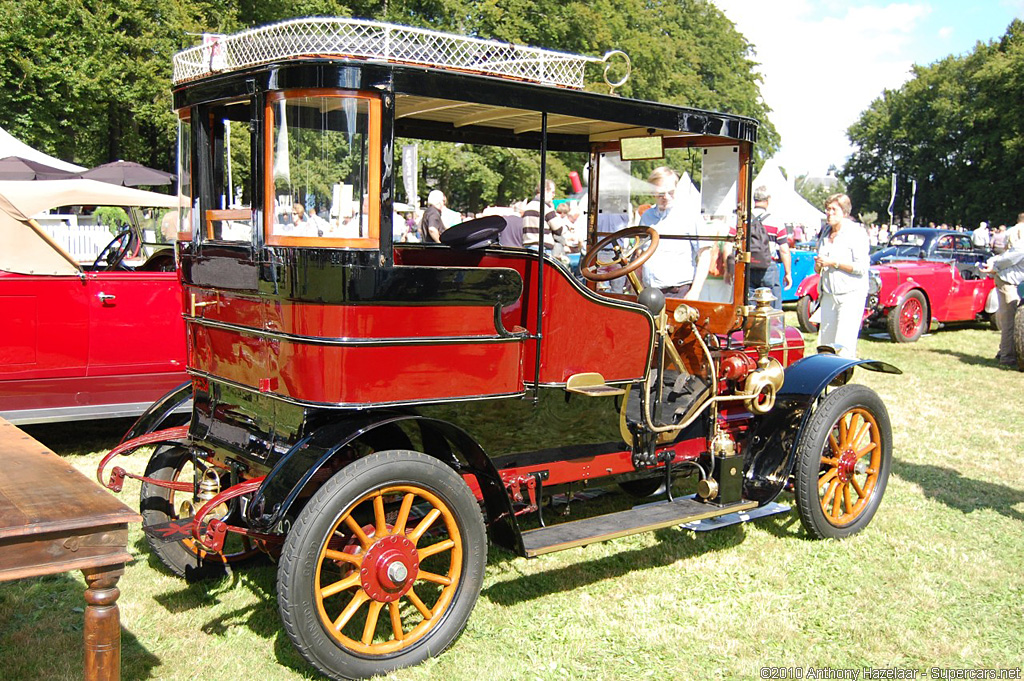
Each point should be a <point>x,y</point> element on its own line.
<point>842,262</point>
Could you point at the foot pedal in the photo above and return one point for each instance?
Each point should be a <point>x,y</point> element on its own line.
<point>721,521</point>
<point>171,531</point>
<point>592,385</point>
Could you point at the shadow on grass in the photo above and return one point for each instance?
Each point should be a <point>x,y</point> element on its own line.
<point>674,545</point>
<point>971,360</point>
<point>963,494</point>
<point>80,437</point>
<point>41,624</point>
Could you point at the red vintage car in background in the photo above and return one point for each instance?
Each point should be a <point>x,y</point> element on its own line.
<point>104,338</point>
<point>924,277</point>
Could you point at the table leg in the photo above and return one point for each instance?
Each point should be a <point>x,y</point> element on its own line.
<point>102,624</point>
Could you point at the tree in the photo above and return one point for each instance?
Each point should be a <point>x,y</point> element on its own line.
<point>954,129</point>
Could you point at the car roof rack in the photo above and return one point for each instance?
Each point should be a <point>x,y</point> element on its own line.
<point>375,41</point>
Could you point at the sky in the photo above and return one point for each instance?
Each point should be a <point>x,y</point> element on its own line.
<point>824,61</point>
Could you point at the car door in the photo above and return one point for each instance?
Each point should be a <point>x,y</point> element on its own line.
<point>966,297</point>
<point>135,323</point>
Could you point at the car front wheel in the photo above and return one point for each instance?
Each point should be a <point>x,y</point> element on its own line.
<point>805,307</point>
<point>909,319</point>
<point>843,460</point>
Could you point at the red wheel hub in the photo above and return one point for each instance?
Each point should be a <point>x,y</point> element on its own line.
<point>847,465</point>
<point>911,316</point>
<point>389,568</point>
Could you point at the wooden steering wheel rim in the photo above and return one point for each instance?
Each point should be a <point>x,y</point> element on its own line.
<point>590,259</point>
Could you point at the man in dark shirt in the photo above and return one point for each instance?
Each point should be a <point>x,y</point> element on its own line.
<point>431,224</point>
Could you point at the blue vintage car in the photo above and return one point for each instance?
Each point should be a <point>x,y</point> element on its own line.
<point>802,260</point>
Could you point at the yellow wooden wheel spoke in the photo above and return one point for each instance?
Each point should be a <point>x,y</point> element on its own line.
<point>434,549</point>
<point>829,461</point>
<point>350,610</point>
<point>857,488</point>
<point>424,525</point>
<point>867,448</point>
<point>371,621</point>
<point>833,444</point>
<point>825,479</point>
<point>339,586</point>
<point>436,579</point>
<point>830,494</point>
<point>836,506</point>
<point>396,621</point>
<point>379,517</point>
<point>846,498</point>
<point>842,430</point>
<point>351,524</point>
<point>350,558</point>
<point>424,610</point>
<point>864,428</point>
<point>403,513</point>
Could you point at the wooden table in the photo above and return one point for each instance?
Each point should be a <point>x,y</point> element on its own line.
<point>54,519</point>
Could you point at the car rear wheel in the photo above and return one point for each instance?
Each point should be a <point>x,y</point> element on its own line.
<point>383,566</point>
<point>909,319</point>
<point>843,460</point>
<point>805,307</point>
<point>162,505</point>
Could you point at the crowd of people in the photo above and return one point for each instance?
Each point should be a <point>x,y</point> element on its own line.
<point>680,267</point>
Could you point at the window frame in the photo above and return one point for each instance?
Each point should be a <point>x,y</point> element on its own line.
<point>372,241</point>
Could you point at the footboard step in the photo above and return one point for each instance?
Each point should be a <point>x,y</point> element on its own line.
<point>175,530</point>
<point>736,518</point>
<point>613,525</point>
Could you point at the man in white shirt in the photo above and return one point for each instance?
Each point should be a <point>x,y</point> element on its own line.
<point>679,266</point>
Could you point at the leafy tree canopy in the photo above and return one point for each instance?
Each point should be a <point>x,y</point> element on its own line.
<point>89,80</point>
<point>953,128</point>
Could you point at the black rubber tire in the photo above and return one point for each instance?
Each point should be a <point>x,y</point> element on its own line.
<point>893,319</point>
<point>805,307</point>
<point>298,604</point>
<point>1018,335</point>
<point>160,505</point>
<point>811,470</point>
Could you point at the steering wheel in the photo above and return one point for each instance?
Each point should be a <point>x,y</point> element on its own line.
<point>626,261</point>
<point>116,251</point>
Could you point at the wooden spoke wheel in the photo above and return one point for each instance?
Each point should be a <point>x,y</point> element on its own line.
<point>843,460</point>
<point>161,505</point>
<point>388,556</point>
<point>908,320</point>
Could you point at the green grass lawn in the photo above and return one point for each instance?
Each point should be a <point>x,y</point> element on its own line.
<point>934,581</point>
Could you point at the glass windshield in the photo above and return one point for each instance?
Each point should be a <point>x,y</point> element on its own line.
<point>321,168</point>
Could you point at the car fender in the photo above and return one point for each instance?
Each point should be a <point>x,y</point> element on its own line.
<point>157,415</point>
<point>899,294</point>
<point>808,287</point>
<point>773,440</point>
<point>992,301</point>
<point>445,441</point>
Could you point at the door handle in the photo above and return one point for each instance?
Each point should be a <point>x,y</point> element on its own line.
<point>106,298</point>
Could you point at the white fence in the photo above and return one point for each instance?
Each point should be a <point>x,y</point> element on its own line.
<point>80,235</point>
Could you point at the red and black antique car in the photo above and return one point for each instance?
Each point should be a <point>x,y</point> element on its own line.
<point>374,413</point>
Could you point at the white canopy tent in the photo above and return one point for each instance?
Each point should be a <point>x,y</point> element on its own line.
<point>787,207</point>
<point>12,146</point>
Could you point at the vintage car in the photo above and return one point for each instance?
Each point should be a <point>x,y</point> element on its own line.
<point>374,414</point>
<point>802,265</point>
<point>84,341</point>
<point>923,278</point>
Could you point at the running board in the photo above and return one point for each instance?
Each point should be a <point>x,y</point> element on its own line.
<point>721,521</point>
<point>614,525</point>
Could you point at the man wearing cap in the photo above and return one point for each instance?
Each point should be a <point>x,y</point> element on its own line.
<point>766,274</point>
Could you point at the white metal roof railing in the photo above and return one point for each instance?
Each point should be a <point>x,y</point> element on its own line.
<point>361,39</point>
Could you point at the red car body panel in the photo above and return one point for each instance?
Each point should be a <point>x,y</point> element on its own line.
<point>951,298</point>
<point>100,344</point>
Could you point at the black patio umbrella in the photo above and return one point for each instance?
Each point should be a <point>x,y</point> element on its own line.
<point>18,168</point>
<point>128,174</point>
